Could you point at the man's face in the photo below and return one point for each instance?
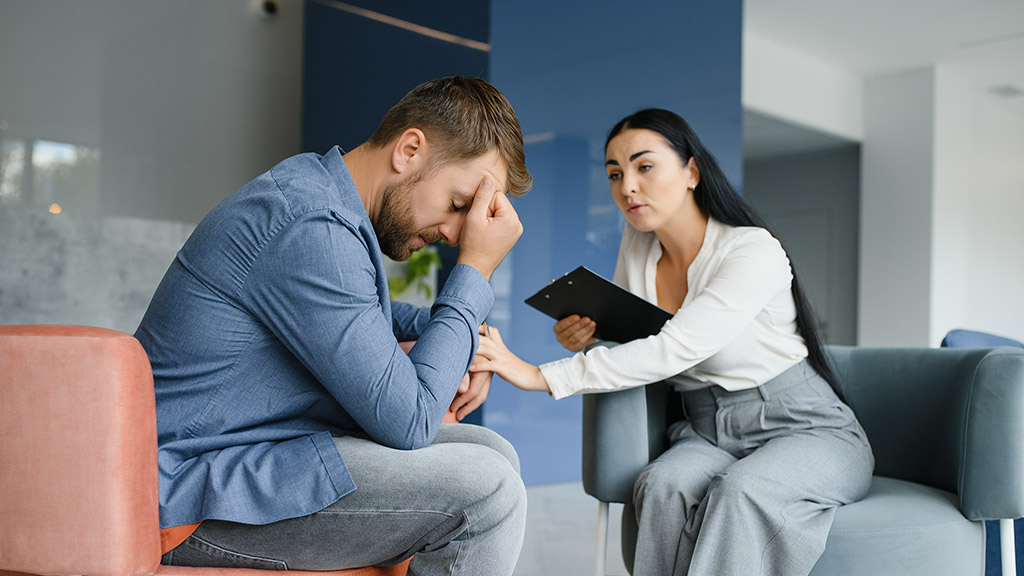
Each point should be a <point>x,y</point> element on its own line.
<point>431,205</point>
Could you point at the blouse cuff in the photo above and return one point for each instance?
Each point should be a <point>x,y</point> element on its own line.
<point>560,375</point>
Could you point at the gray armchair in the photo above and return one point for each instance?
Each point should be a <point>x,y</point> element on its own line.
<point>947,429</point>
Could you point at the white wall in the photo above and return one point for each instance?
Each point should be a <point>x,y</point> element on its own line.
<point>993,198</point>
<point>942,210</point>
<point>942,197</point>
<point>784,83</point>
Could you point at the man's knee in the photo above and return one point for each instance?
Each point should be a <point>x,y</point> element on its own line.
<point>485,485</point>
<point>472,434</point>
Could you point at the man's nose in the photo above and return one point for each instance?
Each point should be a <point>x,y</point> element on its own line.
<point>452,230</point>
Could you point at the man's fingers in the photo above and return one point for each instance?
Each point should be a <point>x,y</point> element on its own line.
<point>500,205</point>
<point>468,408</point>
<point>467,402</point>
<point>484,198</point>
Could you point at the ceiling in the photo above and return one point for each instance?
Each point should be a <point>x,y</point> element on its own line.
<point>983,40</point>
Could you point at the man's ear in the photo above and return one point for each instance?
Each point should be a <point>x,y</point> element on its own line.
<point>409,153</point>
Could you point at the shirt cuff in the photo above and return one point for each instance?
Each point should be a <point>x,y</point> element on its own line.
<point>467,285</point>
<point>563,376</point>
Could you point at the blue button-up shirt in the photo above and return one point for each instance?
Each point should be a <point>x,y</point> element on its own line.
<point>273,331</point>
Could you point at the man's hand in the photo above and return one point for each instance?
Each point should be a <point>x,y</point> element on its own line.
<point>472,392</point>
<point>492,227</point>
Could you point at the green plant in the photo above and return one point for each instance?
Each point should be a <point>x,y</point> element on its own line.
<point>417,268</point>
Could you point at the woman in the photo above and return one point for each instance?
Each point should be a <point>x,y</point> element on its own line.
<point>768,450</point>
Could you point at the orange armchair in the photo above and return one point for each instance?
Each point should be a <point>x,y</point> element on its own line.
<point>78,458</point>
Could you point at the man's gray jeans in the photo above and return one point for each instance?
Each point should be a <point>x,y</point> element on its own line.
<point>458,505</point>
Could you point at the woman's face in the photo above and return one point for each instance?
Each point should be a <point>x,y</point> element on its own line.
<point>649,182</point>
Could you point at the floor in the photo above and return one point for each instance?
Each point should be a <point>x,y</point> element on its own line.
<point>561,527</point>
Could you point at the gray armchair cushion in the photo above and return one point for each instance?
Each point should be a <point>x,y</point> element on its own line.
<point>903,529</point>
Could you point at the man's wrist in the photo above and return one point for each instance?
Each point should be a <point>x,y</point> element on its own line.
<point>466,285</point>
<point>483,270</point>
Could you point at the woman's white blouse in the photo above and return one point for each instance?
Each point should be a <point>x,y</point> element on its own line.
<point>736,327</point>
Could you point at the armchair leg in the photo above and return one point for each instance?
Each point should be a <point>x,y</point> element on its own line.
<point>1008,551</point>
<point>602,538</point>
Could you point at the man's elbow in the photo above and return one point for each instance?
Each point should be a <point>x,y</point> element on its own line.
<point>414,438</point>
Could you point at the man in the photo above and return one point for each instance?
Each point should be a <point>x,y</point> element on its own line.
<point>294,432</point>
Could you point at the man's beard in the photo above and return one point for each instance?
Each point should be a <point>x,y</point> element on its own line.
<point>396,224</point>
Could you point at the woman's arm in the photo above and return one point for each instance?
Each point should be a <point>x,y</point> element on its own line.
<point>755,271</point>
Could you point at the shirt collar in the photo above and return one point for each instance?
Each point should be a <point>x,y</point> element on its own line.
<point>335,165</point>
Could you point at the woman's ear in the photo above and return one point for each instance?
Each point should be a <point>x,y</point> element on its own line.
<point>694,171</point>
<point>409,152</point>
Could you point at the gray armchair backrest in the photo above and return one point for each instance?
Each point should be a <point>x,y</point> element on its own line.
<point>949,418</point>
<point>952,419</point>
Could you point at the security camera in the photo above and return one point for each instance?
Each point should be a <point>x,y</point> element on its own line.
<point>266,9</point>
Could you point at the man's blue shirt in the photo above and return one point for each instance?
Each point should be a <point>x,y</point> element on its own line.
<point>273,331</point>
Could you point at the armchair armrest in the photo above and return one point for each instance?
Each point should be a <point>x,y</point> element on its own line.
<point>78,458</point>
<point>949,418</point>
<point>614,443</point>
<point>622,432</point>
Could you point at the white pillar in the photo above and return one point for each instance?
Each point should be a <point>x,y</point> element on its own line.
<point>954,177</point>
<point>897,163</point>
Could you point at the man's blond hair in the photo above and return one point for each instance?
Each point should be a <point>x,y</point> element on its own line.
<point>463,118</point>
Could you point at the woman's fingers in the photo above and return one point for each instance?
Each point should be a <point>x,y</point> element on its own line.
<point>574,332</point>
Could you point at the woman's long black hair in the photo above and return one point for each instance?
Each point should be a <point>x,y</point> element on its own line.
<point>716,198</point>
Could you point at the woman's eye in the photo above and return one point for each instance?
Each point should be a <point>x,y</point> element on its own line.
<point>453,207</point>
<point>646,167</point>
<point>615,176</point>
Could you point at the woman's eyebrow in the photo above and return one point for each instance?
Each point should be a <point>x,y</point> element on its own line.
<point>631,158</point>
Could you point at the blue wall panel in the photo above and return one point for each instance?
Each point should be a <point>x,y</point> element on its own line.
<point>355,68</point>
<point>465,18</point>
<point>571,70</point>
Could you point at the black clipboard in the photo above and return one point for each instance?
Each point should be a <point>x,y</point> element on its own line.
<point>620,315</point>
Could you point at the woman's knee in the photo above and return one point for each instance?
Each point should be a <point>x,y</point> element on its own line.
<point>663,484</point>
<point>737,488</point>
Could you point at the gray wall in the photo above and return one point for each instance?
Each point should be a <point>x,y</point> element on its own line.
<point>135,118</point>
<point>811,201</point>
<point>93,272</point>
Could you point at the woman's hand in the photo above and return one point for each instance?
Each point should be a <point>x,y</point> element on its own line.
<point>575,333</point>
<point>494,356</point>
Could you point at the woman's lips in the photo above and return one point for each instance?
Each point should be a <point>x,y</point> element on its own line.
<point>635,208</point>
